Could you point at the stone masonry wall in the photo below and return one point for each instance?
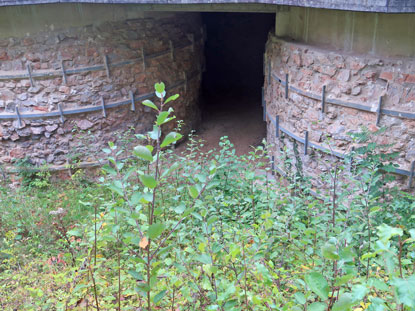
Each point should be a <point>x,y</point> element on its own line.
<point>351,78</point>
<point>48,140</point>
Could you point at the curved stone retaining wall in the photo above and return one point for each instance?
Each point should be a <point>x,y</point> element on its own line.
<point>64,93</point>
<point>359,91</point>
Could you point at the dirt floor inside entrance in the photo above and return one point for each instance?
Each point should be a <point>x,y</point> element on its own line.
<point>238,117</point>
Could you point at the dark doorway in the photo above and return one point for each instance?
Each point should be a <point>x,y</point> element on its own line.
<point>233,78</point>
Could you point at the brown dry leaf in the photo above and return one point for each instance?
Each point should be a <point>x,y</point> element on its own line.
<point>143,243</point>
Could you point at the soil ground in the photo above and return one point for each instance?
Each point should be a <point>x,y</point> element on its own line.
<point>238,117</point>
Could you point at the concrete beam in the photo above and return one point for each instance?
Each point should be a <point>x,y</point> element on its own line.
<point>385,6</point>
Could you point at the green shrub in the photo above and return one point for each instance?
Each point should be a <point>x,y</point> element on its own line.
<point>211,231</point>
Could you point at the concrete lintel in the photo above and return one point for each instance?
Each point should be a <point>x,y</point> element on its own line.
<point>212,7</point>
<point>385,6</point>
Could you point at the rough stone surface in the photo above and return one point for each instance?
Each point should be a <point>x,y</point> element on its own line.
<point>354,83</point>
<point>83,136</point>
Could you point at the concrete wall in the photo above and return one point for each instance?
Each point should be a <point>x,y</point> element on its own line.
<point>27,20</point>
<point>80,37</point>
<point>354,32</point>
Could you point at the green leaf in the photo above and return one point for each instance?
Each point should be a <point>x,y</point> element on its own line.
<point>230,304</point>
<point>79,287</point>
<point>377,304</point>
<point>204,258</point>
<point>329,251</point>
<point>148,181</point>
<point>316,306</point>
<point>170,138</point>
<point>359,292</point>
<point>386,232</point>
<point>346,254</point>
<point>171,98</point>
<point>188,211</point>
<point>135,198</point>
<point>211,220</point>
<point>147,197</point>
<point>194,193</point>
<point>158,211</point>
<point>109,170</point>
<point>345,303</point>
<point>115,187</point>
<point>155,230</point>
<point>405,290</point>
<point>216,248</point>
<point>150,104</point>
<point>162,117</point>
<point>180,209</point>
<point>317,284</point>
<point>160,87</point>
<point>343,279</point>
<point>374,209</point>
<point>142,288</point>
<point>234,250</point>
<point>74,232</point>
<point>378,284</point>
<point>143,153</point>
<point>159,296</point>
<point>136,275</point>
<point>155,133</point>
<point>300,298</point>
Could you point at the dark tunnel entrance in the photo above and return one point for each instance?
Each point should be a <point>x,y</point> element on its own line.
<point>231,87</point>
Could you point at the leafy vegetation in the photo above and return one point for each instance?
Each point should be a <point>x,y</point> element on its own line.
<point>208,231</point>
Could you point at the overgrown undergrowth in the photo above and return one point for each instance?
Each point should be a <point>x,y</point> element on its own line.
<point>214,231</point>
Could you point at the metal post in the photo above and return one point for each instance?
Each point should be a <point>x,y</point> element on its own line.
<point>61,113</point>
<point>286,86</point>
<point>64,78</point>
<point>306,143</point>
<point>378,110</point>
<point>411,175</point>
<point>19,119</point>
<point>273,165</point>
<point>132,101</point>
<point>143,55</point>
<point>107,67</point>
<point>29,72</point>
<point>277,126</point>
<point>104,112</point>
<point>323,99</point>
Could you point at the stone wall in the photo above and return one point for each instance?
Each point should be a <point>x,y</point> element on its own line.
<point>173,47</point>
<point>353,84</point>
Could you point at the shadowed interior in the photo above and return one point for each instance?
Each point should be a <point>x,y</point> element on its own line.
<point>231,88</point>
